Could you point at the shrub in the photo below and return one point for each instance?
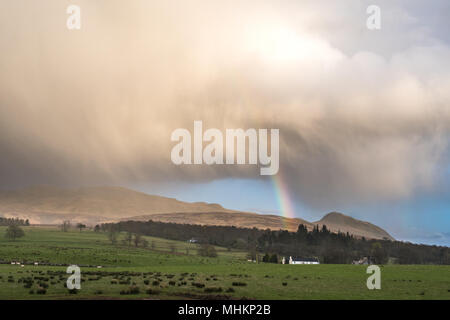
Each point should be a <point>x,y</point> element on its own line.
<point>198,284</point>
<point>41,291</point>
<point>134,290</point>
<point>207,250</point>
<point>213,289</point>
<point>152,291</point>
<point>131,290</point>
<point>239,284</point>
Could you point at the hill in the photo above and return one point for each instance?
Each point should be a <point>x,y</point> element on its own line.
<point>93,205</point>
<point>336,221</point>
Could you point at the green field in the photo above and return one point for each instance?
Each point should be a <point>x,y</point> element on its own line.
<point>173,270</point>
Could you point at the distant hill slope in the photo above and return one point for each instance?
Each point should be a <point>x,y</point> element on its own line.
<point>111,202</point>
<point>92,205</point>
<point>340,222</point>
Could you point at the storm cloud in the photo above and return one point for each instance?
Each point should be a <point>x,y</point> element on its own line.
<point>363,115</point>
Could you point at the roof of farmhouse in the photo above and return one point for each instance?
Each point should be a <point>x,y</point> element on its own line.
<point>304,259</point>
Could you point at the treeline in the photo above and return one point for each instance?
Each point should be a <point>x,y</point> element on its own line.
<point>13,222</point>
<point>321,243</point>
<point>332,247</point>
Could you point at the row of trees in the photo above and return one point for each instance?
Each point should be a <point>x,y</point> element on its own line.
<point>134,238</point>
<point>130,239</point>
<point>66,226</point>
<point>14,221</point>
<point>320,242</point>
<point>13,232</point>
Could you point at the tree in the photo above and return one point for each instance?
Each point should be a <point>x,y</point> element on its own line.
<point>378,253</point>
<point>137,239</point>
<point>65,226</point>
<point>112,235</point>
<point>13,232</point>
<point>273,258</point>
<point>128,238</point>
<point>81,226</point>
<point>207,250</point>
<point>97,228</point>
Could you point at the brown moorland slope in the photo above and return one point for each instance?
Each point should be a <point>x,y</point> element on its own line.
<point>92,205</point>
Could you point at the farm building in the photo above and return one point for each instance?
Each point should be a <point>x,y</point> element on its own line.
<point>298,260</point>
<point>364,260</point>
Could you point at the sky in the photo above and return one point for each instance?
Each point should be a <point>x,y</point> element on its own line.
<point>364,115</point>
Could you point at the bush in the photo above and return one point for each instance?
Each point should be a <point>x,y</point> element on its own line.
<point>198,284</point>
<point>239,284</point>
<point>213,289</point>
<point>131,290</point>
<point>152,291</point>
<point>207,250</point>
<point>41,291</point>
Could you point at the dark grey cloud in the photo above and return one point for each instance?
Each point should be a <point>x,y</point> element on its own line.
<point>363,115</point>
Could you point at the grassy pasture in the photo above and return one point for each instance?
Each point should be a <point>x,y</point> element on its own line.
<point>146,273</point>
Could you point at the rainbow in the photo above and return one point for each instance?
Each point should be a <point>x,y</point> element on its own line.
<point>283,198</point>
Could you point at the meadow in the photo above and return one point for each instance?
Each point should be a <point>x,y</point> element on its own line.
<point>173,270</point>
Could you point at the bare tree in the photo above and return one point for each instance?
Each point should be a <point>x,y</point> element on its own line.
<point>128,238</point>
<point>81,226</point>
<point>137,239</point>
<point>13,232</point>
<point>112,235</point>
<point>65,226</point>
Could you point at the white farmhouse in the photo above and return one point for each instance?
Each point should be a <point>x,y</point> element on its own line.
<point>296,260</point>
